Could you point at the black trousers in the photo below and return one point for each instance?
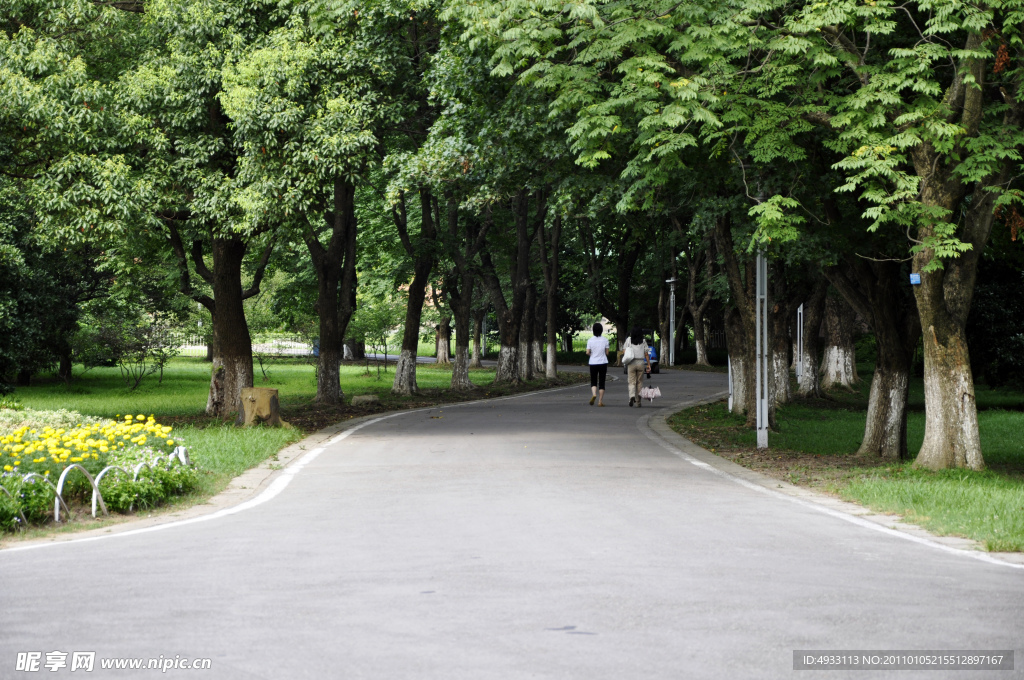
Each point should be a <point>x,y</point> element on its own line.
<point>598,372</point>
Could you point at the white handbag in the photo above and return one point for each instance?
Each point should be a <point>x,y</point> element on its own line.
<point>629,353</point>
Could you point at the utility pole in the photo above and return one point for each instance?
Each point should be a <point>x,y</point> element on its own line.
<point>671,321</point>
<point>761,360</point>
<point>799,342</point>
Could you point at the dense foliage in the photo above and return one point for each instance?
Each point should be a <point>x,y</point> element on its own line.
<point>380,173</point>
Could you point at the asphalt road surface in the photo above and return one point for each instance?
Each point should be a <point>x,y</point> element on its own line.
<point>528,537</point>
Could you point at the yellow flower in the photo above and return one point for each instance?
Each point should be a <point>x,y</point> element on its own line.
<point>140,417</point>
<point>170,442</point>
<point>8,468</point>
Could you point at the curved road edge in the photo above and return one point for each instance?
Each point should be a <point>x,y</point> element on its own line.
<point>655,428</point>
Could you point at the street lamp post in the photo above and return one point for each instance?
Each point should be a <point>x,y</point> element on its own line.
<point>761,350</point>
<point>671,321</point>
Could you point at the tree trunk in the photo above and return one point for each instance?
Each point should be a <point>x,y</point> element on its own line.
<point>700,342</point>
<point>335,267</point>
<point>443,341</point>
<point>951,437</point>
<point>838,365</point>
<point>423,263</point>
<point>463,318</point>
<point>739,361</point>
<point>526,358</point>
<point>885,430</point>
<point>549,249</point>
<point>780,391</point>
<point>510,317</point>
<point>478,322</point>
<point>65,368</point>
<point>951,416</point>
<point>328,373</point>
<point>698,309</point>
<point>876,291</point>
<point>551,360</point>
<point>537,344</point>
<point>741,326</point>
<point>232,365</point>
<point>507,370</point>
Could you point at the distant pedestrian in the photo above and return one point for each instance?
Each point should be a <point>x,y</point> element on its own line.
<point>639,363</point>
<point>597,350</point>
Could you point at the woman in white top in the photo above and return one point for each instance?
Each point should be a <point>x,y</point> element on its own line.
<point>639,366</point>
<point>597,350</point>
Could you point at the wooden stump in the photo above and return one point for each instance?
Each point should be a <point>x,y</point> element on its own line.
<point>260,406</point>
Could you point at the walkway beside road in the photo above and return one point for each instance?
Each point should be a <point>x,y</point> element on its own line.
<point>532,536</point>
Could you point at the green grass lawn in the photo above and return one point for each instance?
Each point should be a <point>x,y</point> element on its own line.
<point>186,383</point>
<point>817,439</point>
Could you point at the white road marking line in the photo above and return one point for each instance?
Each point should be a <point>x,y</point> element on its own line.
<point>642,425</point>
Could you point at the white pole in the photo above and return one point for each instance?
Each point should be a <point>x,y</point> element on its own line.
<point>761,350</point>
<point>799,342</point>
<point>672,321</point>
<point>729,363</point>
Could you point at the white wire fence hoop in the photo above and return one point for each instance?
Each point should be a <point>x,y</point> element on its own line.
<point>58,500</point>
<point>179,454</point>
<point>60,495</point>
<point>24,522</point>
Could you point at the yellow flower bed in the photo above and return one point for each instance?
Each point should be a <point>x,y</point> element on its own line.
<point>48,451</point>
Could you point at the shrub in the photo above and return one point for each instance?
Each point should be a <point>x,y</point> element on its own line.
<point>27,445</point>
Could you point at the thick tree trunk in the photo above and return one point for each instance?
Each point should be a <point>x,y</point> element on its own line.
<point>335,269</point>
<point>232,365</point>
<point>838,365</point>
<point>443,341</point>
<point>701,343</point>
<point>460,368</point>
<point>951,416</point>
<point>885,431</point>
<point>328,373</point>
<point>943,299</point>
<point>508,370</point>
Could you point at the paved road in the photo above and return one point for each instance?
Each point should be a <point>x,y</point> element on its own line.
<point>532,537</point>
